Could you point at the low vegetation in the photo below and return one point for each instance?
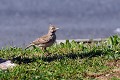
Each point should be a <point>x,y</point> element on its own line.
<point>67,61</point>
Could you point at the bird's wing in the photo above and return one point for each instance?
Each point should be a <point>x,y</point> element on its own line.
<point>29,46</point>
<point>42,40</point>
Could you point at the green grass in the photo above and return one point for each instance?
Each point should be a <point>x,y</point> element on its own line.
<point>67,61</point>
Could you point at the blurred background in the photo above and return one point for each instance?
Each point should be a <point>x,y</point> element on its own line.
<point>22,21</point>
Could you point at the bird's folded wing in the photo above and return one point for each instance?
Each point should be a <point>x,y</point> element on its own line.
<point>42,40</point>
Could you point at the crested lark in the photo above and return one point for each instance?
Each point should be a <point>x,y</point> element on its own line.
<point>46,40</point>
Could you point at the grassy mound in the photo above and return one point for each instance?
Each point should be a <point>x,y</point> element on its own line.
<point>69,60</point>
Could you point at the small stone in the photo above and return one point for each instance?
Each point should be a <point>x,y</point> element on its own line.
<point>107,74</point>
<point>6,64</point>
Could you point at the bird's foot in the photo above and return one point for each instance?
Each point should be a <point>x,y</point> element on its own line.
<point>47,54</point>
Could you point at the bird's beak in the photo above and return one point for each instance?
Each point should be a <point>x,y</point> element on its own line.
<point>57,28</point>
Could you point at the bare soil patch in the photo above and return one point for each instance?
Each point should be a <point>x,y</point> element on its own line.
<point>114,72</point>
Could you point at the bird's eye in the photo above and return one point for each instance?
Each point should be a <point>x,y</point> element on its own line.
<point>53,28</point>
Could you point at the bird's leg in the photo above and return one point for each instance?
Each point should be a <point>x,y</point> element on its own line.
<point>46,53</point>
<point>44,49</point>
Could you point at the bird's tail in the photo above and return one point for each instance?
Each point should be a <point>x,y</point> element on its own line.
<point>29,46</point>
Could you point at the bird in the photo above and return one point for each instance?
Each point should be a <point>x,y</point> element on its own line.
<point>46,40</point>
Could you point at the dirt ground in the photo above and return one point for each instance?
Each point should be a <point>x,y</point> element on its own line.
<point>115,72</point>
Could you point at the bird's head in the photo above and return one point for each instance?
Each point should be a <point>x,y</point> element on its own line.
<point>52,29</point>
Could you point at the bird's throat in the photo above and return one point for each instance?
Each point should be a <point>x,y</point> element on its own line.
<point>51,33</point>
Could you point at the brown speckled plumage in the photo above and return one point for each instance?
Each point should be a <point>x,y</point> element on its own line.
<point>46,40</point>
